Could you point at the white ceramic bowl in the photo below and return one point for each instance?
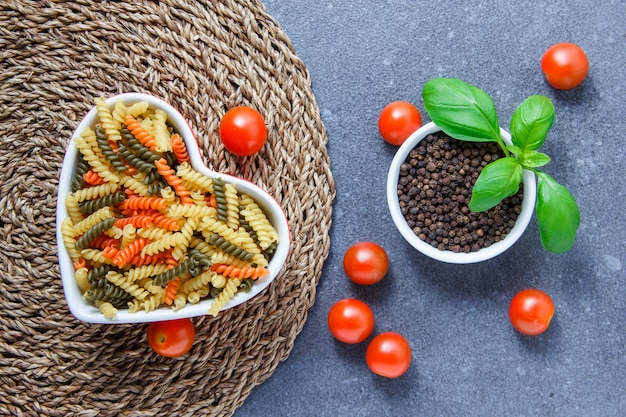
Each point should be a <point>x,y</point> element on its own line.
<point>86,311</point>
<point>528,204</point>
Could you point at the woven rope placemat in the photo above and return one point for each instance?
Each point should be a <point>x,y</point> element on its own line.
<point>203,57</point>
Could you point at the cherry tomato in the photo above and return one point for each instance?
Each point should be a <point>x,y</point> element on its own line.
<point>397,121</point>
<point>243,131</point>
<point>171,338</point>
<point>365,263</point>
<point>350,321</point>
<point>531,311</point>
<point>565,65</point>
<point>388,355</point>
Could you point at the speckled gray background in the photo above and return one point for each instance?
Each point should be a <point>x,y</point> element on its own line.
<point>467,359</point>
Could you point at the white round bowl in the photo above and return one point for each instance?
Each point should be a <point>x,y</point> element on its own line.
<point>85,310</point>
<point>528,204</point>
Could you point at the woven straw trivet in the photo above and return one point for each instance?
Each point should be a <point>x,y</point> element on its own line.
<point>203,57</point>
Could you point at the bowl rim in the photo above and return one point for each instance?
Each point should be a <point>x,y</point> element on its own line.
<point>88,312</point>
<point>528,204</point>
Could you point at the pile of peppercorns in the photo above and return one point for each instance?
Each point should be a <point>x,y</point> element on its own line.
<point>434,190</point>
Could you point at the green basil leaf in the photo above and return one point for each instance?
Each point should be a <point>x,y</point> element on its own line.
<point>533,159</point>
<point>461,110</point>
<point>557,213</point>
<point>498,180</point>
<point>531,122</point>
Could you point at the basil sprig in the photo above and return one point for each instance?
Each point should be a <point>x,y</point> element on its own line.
<point>467,113</point>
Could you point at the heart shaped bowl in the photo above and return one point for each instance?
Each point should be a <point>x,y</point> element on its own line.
<point>87,311</point>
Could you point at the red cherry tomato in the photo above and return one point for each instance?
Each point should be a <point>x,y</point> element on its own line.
<point>171,338</point>
<point>397,121</point>
<point>365,263</point>
<point>565,65</point>
<point>388,355</point>
<point>350,321</point>
<point>243,131</point>
<point>531,311</point>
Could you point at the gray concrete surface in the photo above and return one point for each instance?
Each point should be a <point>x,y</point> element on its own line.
<point>467,359</point>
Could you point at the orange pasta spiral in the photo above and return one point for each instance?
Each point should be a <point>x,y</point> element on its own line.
<point>179,148</point>
<point>241,273</point>
<point>211,201</point>
<point>138,260</point>
<point>171,290</point>
<point>140,133</point>
<point>175,182</point>
<point>164,222</point>
<point>102,241</point>
<point>139,203</point>
<point>137,220</point>
<point>110,252</point>
<point>169,259</point>
<point>80,263</point>
<point>125,255</point>
<point>93,178</point>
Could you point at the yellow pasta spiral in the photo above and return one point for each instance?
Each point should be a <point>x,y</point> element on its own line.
<point>153,301</point>
<point>232,206</point>
<point>108,310</point>
<point>166,242</point>
<point>135,184</point>
<point>90,221</point>
<point>81,279</point>
<point>190,210</point>
<point>106,120</point>
<point>193,179</point>
<point>225,296</point>
<point>186,232</point>
<point>128,286</point>
<point>197,282</point>
<point>145,271</point>
<point>73,209</point>
<point>210,225</point>
<point>161,133</point>
<point>97,191</point>
<point>86,143</point>
<point>69,241</point>
<point>95,256</point>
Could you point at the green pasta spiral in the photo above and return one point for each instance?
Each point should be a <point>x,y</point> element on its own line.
<point>221,243</point>
<point>91,206</point>
<point>269,252</point>
<point>195,263</point>
<point>114,292</point>
<point>155,188</point>
<point>98,272</point>
<point>133,160</point>
<point>93,232</point>
<point>99,283</point>
<point>246,285</point>
<point>246,225</point>
<point>107,151</point>
<point>214,292</point>
<point>220,199</point>
<point>199,262</point>
<point>81,168</point>
<point>152,177</point>
<point>170,274</point>
<point>138,148</point>
<point>170,158</point>
<point>114,297</point>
